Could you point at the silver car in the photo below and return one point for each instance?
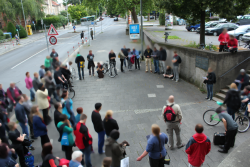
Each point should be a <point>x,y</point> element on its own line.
<point>246,37</point>
<point>239,32</point>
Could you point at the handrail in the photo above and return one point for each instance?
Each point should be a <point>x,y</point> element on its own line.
<point>234,67</point>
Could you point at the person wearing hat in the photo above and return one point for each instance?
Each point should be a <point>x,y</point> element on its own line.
<point>114,149</point>
<point>43,103</point>
<point>76,159</point>
<point>242,80</point>
<point>231,129</point>
<point>106,162</point>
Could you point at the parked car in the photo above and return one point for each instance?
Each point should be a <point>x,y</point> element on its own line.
<point>151,17</point>
<point>217,30</point>
<point>192,27</point>
<point>244,20</point>
<point>116,19</point>
<point>246,37</point>
<point>210,24</point>
<point>239,32</point>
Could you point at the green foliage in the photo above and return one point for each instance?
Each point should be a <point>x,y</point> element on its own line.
<point>195,45</point>
<point>57,21</point>
<point>7,36</point>
<point>11,28</point>
<point>162,19</point>
<point>77,11</point>
<point>22,32</point>
<point>64,13</point>
<point>1,35</point>
<point>49,15</point>
<point>173,37</point>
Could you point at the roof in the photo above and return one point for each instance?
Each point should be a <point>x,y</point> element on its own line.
<point>54,3</point>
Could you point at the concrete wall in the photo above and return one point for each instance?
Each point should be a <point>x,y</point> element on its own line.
<point>220,62</point>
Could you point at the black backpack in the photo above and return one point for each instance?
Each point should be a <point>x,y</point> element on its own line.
<point>179,60</point>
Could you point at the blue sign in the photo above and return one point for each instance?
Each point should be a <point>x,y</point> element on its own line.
<point>92,23</point>
<point>74,27</point>
<point>134,29</point>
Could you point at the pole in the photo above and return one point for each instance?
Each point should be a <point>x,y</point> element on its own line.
<point>88,35</point>
<point>94,30</point>
<point>23,15</point>
<point>46,37</point>
<point>101,26</point>
<point>142,57</point>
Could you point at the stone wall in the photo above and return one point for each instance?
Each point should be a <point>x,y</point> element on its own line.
<point>219,61</point>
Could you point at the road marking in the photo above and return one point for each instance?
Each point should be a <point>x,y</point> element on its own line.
<point>160,86</point>
<point>151,95</point>
<point>28,58</point>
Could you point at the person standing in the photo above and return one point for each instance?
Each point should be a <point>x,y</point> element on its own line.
<point>76,159</point>
<point>176,66</point>
<point>29,86</point>
<point>43,103</point>
<point>53,55</point>
<point>155,55</point>
<point>82,35</point>
<point>50,86</point>
<point>125,52</point>
<point>223,39</point>
<point>211,80</point>
<point>98,126</point>
<point>173,110</point>
<point>137,58</point>
<point>233,100</point>
<point>122,59</point>
<point>109,123</point>
<point>13,92</point>
<point>42,71</point>
<point>47,63</point>
<point>35,81</point>
<point>112,57</point>
<point>130,55</point>
<point>231,129</point>
<point>79,111</point>
<point>147,54</point>
<point>59,79</point>
<point>57,113</point>
<point>91,33</point>
<point>198,146</point>
<point>83,139</point>
<point>80,65</point>
<point>162,59</point>
<point>91,63</point>
<point>155,147</point>
<point>40,128</point>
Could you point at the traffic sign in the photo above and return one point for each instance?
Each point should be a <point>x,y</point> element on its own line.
<point>74,27</point>
<point>92,23</point>
<point>52,40</point>
<point>52,30</point>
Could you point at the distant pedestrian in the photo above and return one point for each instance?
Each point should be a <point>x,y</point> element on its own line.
<point>233,100</point>
<point>137,58</point>
<point>162,59</point>
<point>130,55</point>
<point>155,147</point>
<point>91,33</point>
<point>109,123</point>
<point>98,126</point>
<point>76,159</point>
<point>82,35</point>
<point>147,54</point>
<point>156,55</point>
<point>198,146</point>
<point>211,80</point>
<point>36,81</point>
<point>83,139</point>
<point>63,25</point>
<point>168,73</point>
<point>79,111</point>
<point>47,63</point>
<point>176,63</point>
<point>53,55</point>
<point>80,65</point>
<point>231,129</point>
<point>122,59</point>
<point>112,57</point>
<point>91,63</point>
<point>13,93</point>
<point>172,116</point>
<point>29,86</point>
<point>42,71</point>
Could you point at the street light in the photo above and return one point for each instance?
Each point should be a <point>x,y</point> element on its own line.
<point>23,15</point>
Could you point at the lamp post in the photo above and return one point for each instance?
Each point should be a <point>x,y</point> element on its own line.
<point>142,57</point>
<point>23,15</point>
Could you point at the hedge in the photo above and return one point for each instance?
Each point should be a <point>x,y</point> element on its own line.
<point>22,32</point>
<point>11,28</point>
<point>162,19</point>
<point>1,35</point>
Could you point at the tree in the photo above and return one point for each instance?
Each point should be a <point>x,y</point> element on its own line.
<point>64,13</point>
<point>162,18</point>
<point>77,11</point>
<point>11,28</point>
<point>196,10</point>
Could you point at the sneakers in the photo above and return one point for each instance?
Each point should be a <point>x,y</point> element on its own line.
<point>182,145</point>
<point>206,98</point>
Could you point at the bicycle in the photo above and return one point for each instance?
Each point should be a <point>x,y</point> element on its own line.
<point>73,75</point>
<point>211,118</point>
<point>247,45</point>
<point>70,90</point>
<point>106,67</point>
<point>112,70</point>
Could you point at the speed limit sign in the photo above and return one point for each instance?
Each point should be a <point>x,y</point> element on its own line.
<point>52,40</point>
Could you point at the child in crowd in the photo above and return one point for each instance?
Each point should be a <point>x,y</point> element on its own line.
<point>79,111</point>
<point>169,73</point>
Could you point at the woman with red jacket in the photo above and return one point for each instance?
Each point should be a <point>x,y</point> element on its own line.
<point>223,38</point>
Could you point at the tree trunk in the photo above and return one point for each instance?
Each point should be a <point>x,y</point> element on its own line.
<point>202,28</point>
<point>148,16</point>
<point>133,13</point>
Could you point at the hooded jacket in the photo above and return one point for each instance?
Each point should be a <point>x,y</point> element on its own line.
<point>197,148</point>
<point>233,99</point>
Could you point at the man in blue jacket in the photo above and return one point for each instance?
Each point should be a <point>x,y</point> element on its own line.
<point>137,58</point>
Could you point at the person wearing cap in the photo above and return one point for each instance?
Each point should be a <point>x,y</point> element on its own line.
<point>76,159</point>
<point>242,80</point>
<point>231,129</point>
<point>232,44</point>
<point>114,149</point>
<point>43,103</point>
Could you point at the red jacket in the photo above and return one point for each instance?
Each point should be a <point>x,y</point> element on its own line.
<point>83,138</point>
<point>223,38</point>
<point>233,43</point>
<point>197,148</point>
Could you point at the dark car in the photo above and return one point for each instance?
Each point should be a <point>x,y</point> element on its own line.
<point>116,19</point>
<point>244,20</point>
<point>192,27</point>
<point>217,30</point>
<point>210,24</point>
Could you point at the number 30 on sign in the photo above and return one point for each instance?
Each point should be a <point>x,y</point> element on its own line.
<point>53,40</point>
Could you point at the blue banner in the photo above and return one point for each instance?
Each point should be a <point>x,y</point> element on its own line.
<point>134,28</point>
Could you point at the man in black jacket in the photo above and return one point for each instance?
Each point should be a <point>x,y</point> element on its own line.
<point>162,59</point>
<point>211,80</point>
<point>80,65</point>
<point>82,35</point>
<point>53,55</point>
<point>66,73</point>
<point>98,126</point>
<point>57,113</point>
<point>243,80</point>
<point>147,54</point>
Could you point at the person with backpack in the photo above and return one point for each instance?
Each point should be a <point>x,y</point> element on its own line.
<point>210,81</point>
<point>155,147</point>
<point>172,116</point>
<point>176,62</point>
<point>80,65</point>
<point>233,100</point>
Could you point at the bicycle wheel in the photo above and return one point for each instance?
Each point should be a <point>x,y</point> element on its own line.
<point>71,93</point>
<point>105,68</point>
<point>210,117</point>
<point>112,73</point>
<point>243,123</point>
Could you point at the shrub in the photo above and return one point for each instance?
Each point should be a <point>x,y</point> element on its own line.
<point>1,35</point>
<point>7,36</point>
<point>11,28</point>
<point>22,32</point>
<point>162,19</point>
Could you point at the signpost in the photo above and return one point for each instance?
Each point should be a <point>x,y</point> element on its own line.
<point>52,31</point>
<point>134,31</point>
<point>52,40</point>
<point>74,27</point>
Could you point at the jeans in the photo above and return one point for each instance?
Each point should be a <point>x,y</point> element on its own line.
<point>239,86</point>
<point>171,127</point>
<point>52,91</point>
<point>231,112</point>
<point>210,91</point>
<point>148,63</point>
<point>122,60</point>
<point>230,139</point>
<point>79,72</point>
<point>32,94</point>
<point>156,64</point>
<point>101,136</point>
<point>176,73</point>
<point>24,129</point>
<point>156,162</point>
<point>129,64</point>
<point>87,153</point>
<point>163,66</point>
<point>137,63</point>
<point>92,70</point>
<point>246,112</point>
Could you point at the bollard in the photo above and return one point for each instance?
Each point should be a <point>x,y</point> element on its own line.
<point>68,53</point>
<point>13,45</point>
<point>5,46</point>
<point>73,48</point>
